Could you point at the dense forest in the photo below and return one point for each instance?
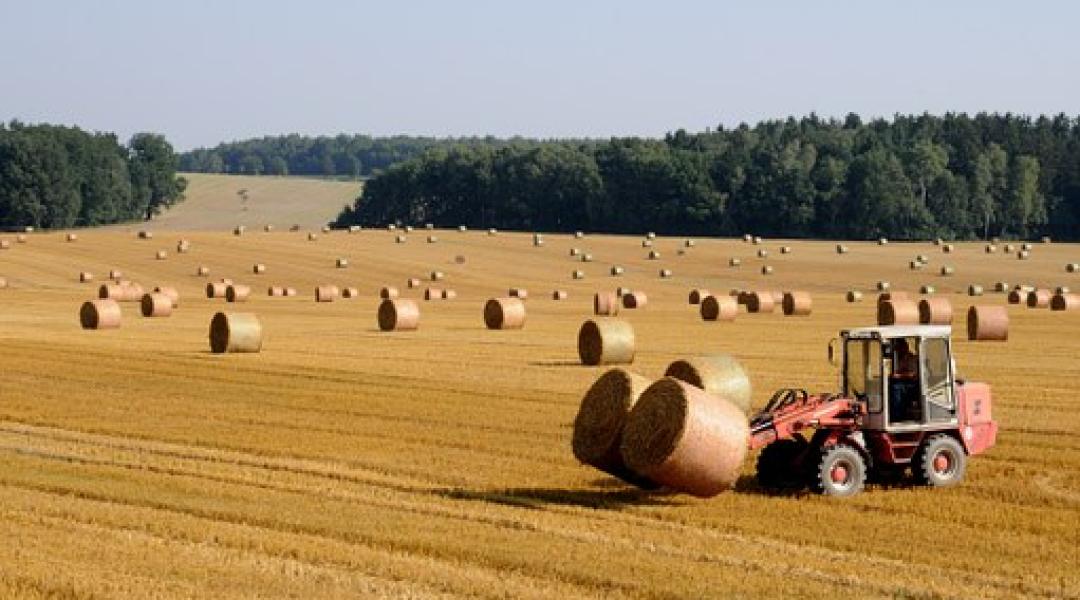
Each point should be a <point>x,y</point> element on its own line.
<point>347,156</point>
<point>53,177</point>
<point>956,176</point>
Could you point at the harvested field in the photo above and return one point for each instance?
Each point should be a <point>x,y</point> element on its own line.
<point>342,461</point>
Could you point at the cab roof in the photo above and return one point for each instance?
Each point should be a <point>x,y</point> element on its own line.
<point>900,331</point>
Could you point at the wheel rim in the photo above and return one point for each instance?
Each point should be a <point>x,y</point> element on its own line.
<point>944,463</point>
<point>840,474</point>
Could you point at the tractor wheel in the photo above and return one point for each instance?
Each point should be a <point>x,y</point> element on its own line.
<point>840,471</point>
<point>778,465</point>
<point>940,461</point>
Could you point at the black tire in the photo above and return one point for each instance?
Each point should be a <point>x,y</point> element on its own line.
<point>840,471</point>
<point>779,466</point>
<point>940,462</point>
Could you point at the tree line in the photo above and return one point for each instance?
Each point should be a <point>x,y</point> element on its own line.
<point>909,177</point>
<point>346,156</point>
<point>55,177</point>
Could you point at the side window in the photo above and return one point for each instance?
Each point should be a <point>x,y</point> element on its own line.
<point>936,359</point>
<point>873,375</point>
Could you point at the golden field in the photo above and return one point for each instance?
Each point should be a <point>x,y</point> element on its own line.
<point>344,462</point>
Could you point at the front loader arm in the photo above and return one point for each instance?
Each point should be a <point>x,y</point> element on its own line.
<point>792,410</point>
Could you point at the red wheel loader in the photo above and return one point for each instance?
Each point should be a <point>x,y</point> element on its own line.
<point>900,407</point>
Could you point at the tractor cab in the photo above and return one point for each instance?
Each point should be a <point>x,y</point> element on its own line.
<point>903,373</point>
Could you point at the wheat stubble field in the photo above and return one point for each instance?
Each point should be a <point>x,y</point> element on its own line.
<point>344,462</point>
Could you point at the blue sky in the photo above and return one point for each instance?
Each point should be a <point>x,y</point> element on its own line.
<point>202,72</point>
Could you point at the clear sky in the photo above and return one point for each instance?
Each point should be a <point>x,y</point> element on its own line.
<point>203,71</point>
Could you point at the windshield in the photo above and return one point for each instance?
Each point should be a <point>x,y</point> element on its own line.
<point>862,371</point>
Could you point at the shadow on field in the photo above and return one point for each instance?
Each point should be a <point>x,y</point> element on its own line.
<point>556,363</point>
<point>610,499</point>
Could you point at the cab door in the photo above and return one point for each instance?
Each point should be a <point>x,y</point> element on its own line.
<point>937,377</point>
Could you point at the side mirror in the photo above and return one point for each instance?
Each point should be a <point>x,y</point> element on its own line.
<point>834,359</point>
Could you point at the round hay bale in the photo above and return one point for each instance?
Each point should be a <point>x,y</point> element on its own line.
<point>398,315</point>
<point>258,268</point>
<point>202,271</point>
<point>797,303</point>
<point>1065,301</point>
<point>665,273</point>
<point>883,286</point>
<point>237,293</point>
<point>734,262</point>
<point>326,229</point>
<point>3,283</point>
<point>922,258</point>
<point>1009,248</point>
<point>1026,246</point>
<point>449,294</point>
<point>86,277</point>
<point>927,289</point>
<point>990,249</point>
<point>1062,290</point>
<point>1045,239</point>
<point>606,303</point>
<point>462,228</point>
<point>646,243</point>
<point>1023,255</point>
<point>1017,297</point>
<point>115,274</point>
<point>654,255</point>
<point>216,289</point>
<point>578,274</point>
<point>326,293</point>
<point>432,293</point>
<point>766,270</point>
<point>391,227</point>
<point>947,248</point>
<point>777,297</point>
<point>718,374</point>
<point>586,257</point>
<point>760,302</point>
<point>747,238</point>
<point>935,311</point>
<point>100,314</point>
<point>1072,267</point>
<point>719,308</point>
<point>947,271</point>
<point>389,293</point>
<point>697,295</point>
<point>758,239</point>
<point>268,228</point>
<point>841,249</point>
<point>518,293</point>
<point>1001,286</point>
<point>915,265</point>
<point>183,246</point>
<point>854,296</point>
<point>112,291</point>
<point>5,245</point>
<point>685,438</point>
<point>504,313</point>
<point>235,332</point>
<point>146,235</point>
<point>429,226</point>
<point>1038,299</point>
<point>579,234</point>
<point>898,312</point>
<point>559,295</point>
<point>171,292</point>
<point>634,300</point>
<point>342,263</point>
<point>275,291</point>
<point>239,230</point>
<point>71,237</point>
<point>988,323</point>
<point>938,241</point>
<point>400,239</point>
<point>575,252</point>
<point>882,241</point>
<point>437,276</point>
<point>290,292</point>
<point>431,239</point>
<point>622,291</point>
<point>493,231</point>
<point>21,238</point>
<point>689,243</point>
<point>156,305</point>
<point>651,235</point>
<point>413,282</point>
<point>312,236</point>
<point>350,292</point>
<point>606,341</point>
<point>617,271</point>
<point>763,253</point>
<point>975,290</point>
<point>1024,288</point>
<point>785,249</point>
<point>161,255</point>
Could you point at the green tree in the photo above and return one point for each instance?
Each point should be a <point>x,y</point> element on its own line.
<point>153,173</point>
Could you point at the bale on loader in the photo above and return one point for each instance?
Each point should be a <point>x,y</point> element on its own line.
<point>718,374</point>
<point>935,311</point>
<point>235,332</point>
<point>988,323</point>
<point>599,423</point>
<point>398,315</point>
<point>504,313</point>
<point>797,303</point>
<point>722,308</point>
<point>100,314</point>
<point>685,438</point>
<point>606,341</point>
<point>898,312</point>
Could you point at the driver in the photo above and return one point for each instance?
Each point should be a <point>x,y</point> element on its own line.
<point>903,381</point>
